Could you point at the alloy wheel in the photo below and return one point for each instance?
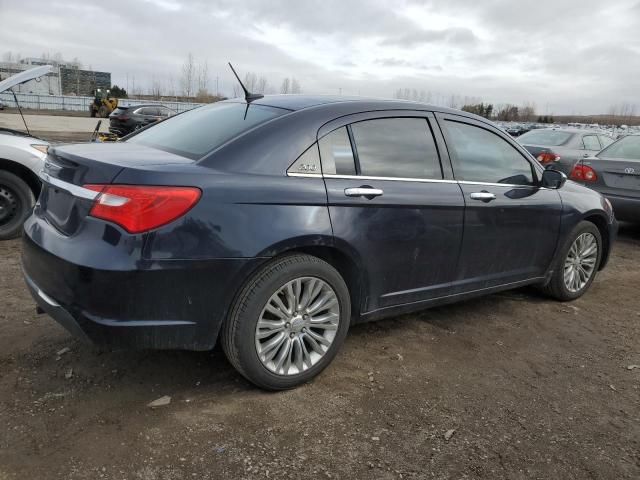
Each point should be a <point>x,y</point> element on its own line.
<point>580,263</point>
<point>297,326</point>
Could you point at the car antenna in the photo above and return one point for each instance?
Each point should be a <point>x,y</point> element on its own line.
<point>20,110</point>
<point>248,96</point>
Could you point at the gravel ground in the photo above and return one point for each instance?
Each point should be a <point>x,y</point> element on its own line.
<point>509,386</point>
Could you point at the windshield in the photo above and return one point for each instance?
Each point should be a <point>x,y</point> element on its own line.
<point>197,132</point>
<point>547,138</point>
<point>627,148</point>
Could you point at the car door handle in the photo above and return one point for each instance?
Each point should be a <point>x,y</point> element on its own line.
<point>483,196</point>
<point>369,192</point>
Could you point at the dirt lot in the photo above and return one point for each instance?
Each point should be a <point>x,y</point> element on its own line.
<point>533,389</point>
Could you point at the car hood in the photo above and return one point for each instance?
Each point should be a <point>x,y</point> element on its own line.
<point>25,76</point>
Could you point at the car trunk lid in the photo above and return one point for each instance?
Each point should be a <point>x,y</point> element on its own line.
<point>64,202</point>
<point>617,177</point>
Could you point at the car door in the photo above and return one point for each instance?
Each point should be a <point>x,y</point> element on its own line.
<point>511,224</point>
<point>391,203</point>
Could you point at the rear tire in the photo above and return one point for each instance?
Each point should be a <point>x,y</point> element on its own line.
<point>246,343</point>
<point>16,202</point>
<point>568,281</point>
<point>103,112</point>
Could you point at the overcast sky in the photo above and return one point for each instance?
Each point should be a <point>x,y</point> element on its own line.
<point>566,56</point>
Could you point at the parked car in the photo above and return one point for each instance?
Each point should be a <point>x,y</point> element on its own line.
<point>275,225</point>
<point>615,173</point>
<point>21,159</point>
<point>125,119</point>
<point>563,147</point>
<point>516,130</point>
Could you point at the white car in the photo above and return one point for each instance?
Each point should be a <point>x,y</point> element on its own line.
<point>21,159</point>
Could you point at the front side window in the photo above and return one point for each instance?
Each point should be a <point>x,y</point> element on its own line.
<point>591,142</point>
<point>396,147</point>
<point>336,153</point>
<point>479,155</point>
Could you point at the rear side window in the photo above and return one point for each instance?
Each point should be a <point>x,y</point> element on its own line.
<point>479,155</point>
<point>336,153</point>
<point>545,138</point>
<point>396,147</point>
<point>605,141</point>
<point>197,132</point>
<point>591,142</point>
<point>627,148</point>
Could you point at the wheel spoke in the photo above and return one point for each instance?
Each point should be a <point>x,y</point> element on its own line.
<point>283,356</point>
<point>309,286</point>
<point>276,311</point>
<point>270,349</point>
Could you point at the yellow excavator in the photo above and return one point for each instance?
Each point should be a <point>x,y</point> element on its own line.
<point>102,104</point>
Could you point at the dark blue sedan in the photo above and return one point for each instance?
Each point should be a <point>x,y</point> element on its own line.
<point>275,225</point>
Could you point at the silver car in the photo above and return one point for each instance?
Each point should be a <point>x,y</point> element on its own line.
<point>563,147</point>
<point>21,159</point>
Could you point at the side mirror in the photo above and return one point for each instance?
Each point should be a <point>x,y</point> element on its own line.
<point>553,179</point>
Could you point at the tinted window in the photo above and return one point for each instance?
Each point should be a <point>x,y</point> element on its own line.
<point>336,153</point>
<point>481,156</point>
<point>199,131</point>
<point>546,138</point>
<point>396,147</point>
<point>591,142</point>
<point>627,148</point>
<point>605,141</point>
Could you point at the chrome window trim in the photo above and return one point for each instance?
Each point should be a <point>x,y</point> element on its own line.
<point>400,179</point>
<point>469,182</point>
<point>74,190</point>
<point>403,179</point>
<point>304,175</point>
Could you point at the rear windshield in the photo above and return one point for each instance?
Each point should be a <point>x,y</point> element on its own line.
<point>197,132</point>
<point>627,148</point>
<point>546,138</point>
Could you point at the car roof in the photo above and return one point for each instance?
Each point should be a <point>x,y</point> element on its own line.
<point>300,102</point>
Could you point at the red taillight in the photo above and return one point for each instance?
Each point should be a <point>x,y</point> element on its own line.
<point>122,118</point>
<point>548,157</point>
<point>583,173</point>
<point>140,208</point>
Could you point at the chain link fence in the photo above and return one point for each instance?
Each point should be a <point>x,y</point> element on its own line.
<point>80,104</point>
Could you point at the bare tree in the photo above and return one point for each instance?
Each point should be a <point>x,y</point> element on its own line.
<point>188,74</point>
<point>286,86</point>
<point>250,81</point>
<point>295,86</point>
<point>203,79</point>
<point>171,86</point>
<point>156,88</point>
<point>261,86</point>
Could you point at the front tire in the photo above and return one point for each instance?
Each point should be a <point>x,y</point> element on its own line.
<point>16,203</point>
<point>288,322</point>
<point>578,263</point>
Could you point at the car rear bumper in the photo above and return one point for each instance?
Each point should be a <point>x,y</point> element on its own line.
<point>169,304</point>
